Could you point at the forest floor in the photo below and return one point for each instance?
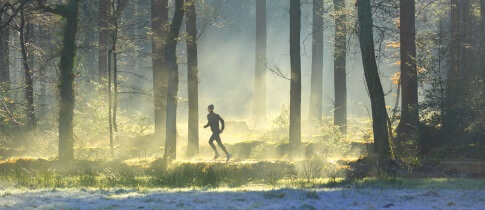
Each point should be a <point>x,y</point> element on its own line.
<point>243,198</point>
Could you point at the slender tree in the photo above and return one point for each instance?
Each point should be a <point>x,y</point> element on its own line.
<point>295,59</point>
<point>378,104</point>
<point>173,80</point>
<point>117,6</point>
<point>44,43</point>
<point>4,55</point>
<point>259,104</point>
<point>340,74</point>
<point>110,105</point>
<point>69,12</point>
<point>28,80</point>
<point>482,23</point>
<point>316,92</point>
<point>160,74</point>
<point>408,125</point>
<point>103,25</point>
<point>192,79</point>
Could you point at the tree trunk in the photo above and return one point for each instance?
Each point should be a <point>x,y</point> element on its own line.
<point>316,93</point>
<point>115,92</point>
<point>29,83</point>
<point>160,73</point>
<point>103,25</point>
<point>408,125</point>
<point>110,105</point>
<point>295,59</point>
<point>116,8</point>
<point>466,47</point>
<point>482,20</point>
<point>173,80</point>
<point>259,106</point>
<point>43,44</point>
<point>4,57</point>
<point>461,60</point>
<point>469,64</point>
<point>454,66</point>
<point>378,105</point>
<point>66,80</point>
<point>340,74</point>
<point>192,80</point>
<point>482,23</point>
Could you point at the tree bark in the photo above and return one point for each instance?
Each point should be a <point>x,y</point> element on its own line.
<point>378,105</point>
<point>115,92</point>
<point>66,79</point>
<point>408,125</point>
<point>482,23</point>
<point>340,74</point>
<point>110,105</point>
<point>295,59</point>
<point>44,44</point>
<point>316,92</point>
<point>461,60</point>
<point>28,80</point>
<point>4,57</point>
<point>454,66</point>
<point>173,80</point>
<point>259,106</point>
<point>160,73</point>
<point>466,48</point>
<point>103,25</point>
<point>192,80</point>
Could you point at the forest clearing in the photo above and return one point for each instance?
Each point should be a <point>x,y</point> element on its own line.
<point>228,104</point>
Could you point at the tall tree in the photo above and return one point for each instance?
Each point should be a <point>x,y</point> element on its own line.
<point>482,19</point>
<point>340,74</point>
<point>295,60</point>
<point>173,80</point>
<point>117,6</point>
<point>44,43</point>
<point>316,93</point>
<point>160,74</point>
<point>192,79</point>
<point>378,104</point>
<point>408,125</point>
<point>24,29</point>
<point>103,25</point>
<point>454,63</point>
<point>4,55</point>
<point>69,12</point>
<point>461,63</point>
<point>482,23</point>
<point>259,104</point>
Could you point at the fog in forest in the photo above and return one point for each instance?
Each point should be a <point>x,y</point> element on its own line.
<point>182,104</point>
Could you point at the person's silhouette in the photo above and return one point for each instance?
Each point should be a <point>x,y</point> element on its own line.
<point>213,121</point>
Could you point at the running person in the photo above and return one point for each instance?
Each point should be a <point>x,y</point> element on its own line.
<point>213,121</point>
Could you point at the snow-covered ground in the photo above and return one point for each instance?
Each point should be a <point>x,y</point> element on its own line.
<point>242,198</point>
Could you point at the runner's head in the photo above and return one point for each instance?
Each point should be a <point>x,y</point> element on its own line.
<point>210,108</point>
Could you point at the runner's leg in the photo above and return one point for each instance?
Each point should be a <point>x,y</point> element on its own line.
<point>211,142</point>
<point>219,142</point>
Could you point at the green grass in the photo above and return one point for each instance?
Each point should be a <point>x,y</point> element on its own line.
<point>272,175</point>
